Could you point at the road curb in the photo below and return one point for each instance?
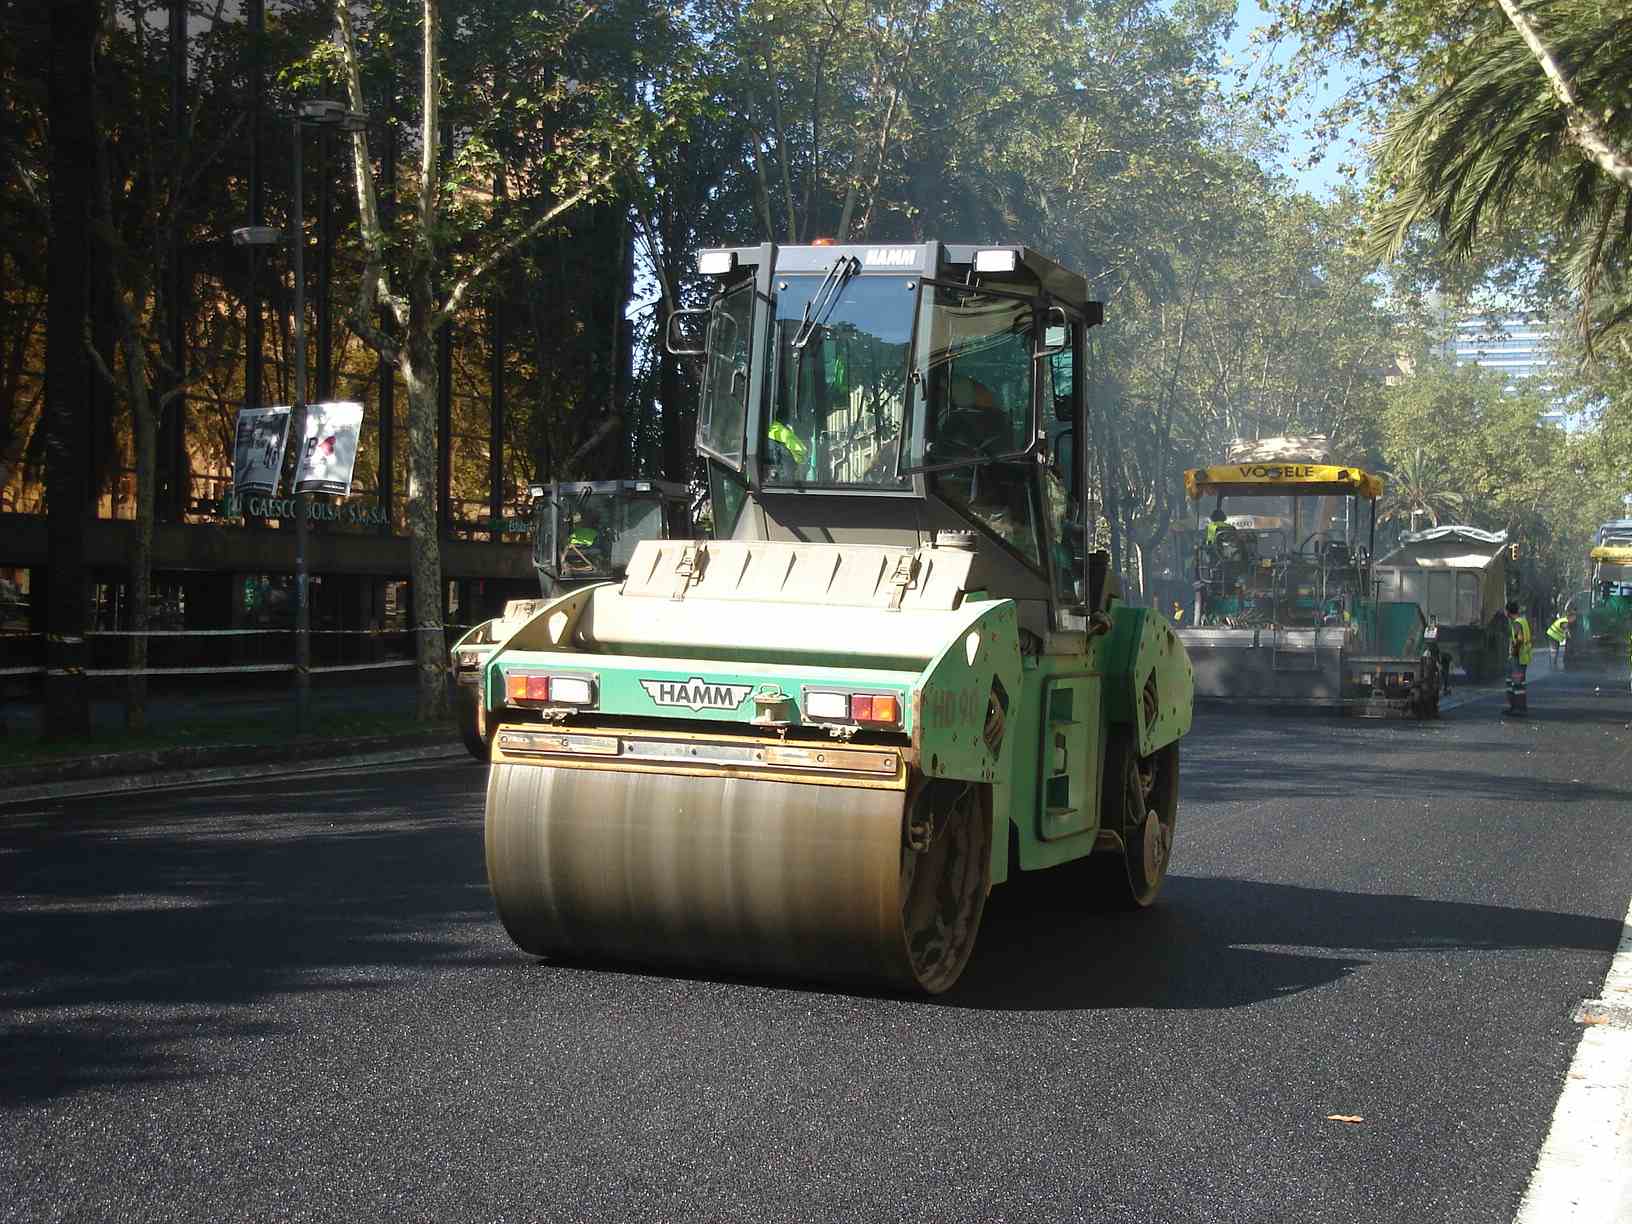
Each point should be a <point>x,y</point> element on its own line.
<point>122,772</point>
<point>1584,1172</point>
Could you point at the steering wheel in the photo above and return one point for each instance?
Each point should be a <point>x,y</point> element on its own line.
<point>966,429</point>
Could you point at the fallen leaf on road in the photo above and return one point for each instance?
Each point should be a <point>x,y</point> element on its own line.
<point>1349,1118</point>
<point>1589,1018</point>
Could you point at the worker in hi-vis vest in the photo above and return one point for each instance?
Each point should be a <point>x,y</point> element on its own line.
<point>1518,628</point>
<point>1559,632</point>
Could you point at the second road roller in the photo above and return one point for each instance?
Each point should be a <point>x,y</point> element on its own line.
<point>810,746</point>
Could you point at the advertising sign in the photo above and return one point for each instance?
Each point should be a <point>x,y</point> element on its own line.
<point>257,451</point>
<point>329,452</point>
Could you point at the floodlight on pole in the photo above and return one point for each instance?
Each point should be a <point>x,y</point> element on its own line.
<point>257,236</point>
<point>313,112</point>
<point>324,113</point>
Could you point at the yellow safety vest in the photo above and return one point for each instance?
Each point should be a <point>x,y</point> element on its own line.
<point>1521,639</point>
<point>783,433</point>
<point>1559,629</point>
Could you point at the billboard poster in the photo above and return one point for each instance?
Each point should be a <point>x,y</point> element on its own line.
<point>329,451</point>
<point>257,450</point>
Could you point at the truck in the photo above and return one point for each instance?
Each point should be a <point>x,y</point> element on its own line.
<point>1603,626</point>
<point>582,532</point>
<point>897,678</point>
<point>1284,611</point>
<point>1458,576</point>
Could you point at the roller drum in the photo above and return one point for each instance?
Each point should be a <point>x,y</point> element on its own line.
<point>746,875</point>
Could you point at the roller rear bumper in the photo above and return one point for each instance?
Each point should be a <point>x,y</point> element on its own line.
<point>699,754</point>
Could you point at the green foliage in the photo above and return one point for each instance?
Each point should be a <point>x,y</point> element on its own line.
<point>1460,443</point>
<point>1417,496</point>
<point>1493,144</point>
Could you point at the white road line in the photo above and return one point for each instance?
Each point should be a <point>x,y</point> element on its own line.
<point>1584,1172</point>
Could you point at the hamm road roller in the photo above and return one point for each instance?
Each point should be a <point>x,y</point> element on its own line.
<point>583,532</point>
<point>810,746</point>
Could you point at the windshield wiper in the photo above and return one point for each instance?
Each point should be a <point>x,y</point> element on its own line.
<point>844,267</point>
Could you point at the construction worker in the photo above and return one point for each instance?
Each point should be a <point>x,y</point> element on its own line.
<point>1518,660</point>
<point>1215,520</point>
<point>781,432</point>
<point>1559,632</point>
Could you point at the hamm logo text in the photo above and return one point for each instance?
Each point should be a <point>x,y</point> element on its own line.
<point>696,693</point>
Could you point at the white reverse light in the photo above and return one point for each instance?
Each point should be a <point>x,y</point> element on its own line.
<point>827,705</point>
<point>571,690</point>
<point>996,261</point>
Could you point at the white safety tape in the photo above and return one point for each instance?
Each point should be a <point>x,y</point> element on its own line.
<point>340,667</point>
<point>130,633</point>
<point>208,671</point>
<point>188,671</point>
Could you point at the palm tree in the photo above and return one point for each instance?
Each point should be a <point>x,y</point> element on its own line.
<point>1412,493</point>
<point>1501,136</point>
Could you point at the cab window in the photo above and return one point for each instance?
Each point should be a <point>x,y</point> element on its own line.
<point>724,409</point>
<point>981,367</point>
<point>999,496</point>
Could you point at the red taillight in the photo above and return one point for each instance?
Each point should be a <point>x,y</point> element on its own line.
<point>880,708</point>
<point>542,688</point>
<point>522,687</point>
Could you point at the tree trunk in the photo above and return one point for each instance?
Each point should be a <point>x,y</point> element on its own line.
<point>419,373</point>
<point>146,438</point>
<point>73,157</point>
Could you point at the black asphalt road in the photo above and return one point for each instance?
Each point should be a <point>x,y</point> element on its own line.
<point>290,1000</point>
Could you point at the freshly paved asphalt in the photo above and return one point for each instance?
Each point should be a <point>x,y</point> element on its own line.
<point>290,1000</point>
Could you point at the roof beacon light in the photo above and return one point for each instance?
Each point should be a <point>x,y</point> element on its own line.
<point>996,261</point>
<point>716,263</point>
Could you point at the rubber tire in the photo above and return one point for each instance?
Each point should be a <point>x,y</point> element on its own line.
<point>1126,878</point>
<point>478,745</point>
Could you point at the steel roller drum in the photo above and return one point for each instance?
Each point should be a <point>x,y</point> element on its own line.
<point>747,875</point>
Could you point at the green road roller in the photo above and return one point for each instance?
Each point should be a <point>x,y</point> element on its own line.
<point>810,746</point>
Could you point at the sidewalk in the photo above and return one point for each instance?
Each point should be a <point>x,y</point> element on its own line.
<point>348,713</point>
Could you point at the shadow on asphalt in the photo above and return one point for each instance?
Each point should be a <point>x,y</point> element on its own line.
<point>129,939</point>
<point>1212,942</point>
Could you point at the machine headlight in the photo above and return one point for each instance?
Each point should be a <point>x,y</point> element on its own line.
<point>715,263</point>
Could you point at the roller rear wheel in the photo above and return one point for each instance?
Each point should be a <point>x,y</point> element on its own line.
<point>1141,805</point>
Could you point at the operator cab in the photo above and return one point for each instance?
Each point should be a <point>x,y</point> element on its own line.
<point>1282,544</point>
<point>586,531</point>
<point>903,395</point>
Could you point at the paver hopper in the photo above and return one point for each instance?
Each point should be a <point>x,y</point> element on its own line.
<point>1286,614</point>
<point>811,746</point>
<point>583,532</point>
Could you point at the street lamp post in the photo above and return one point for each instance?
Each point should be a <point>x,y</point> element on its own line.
<point>310,114</point>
